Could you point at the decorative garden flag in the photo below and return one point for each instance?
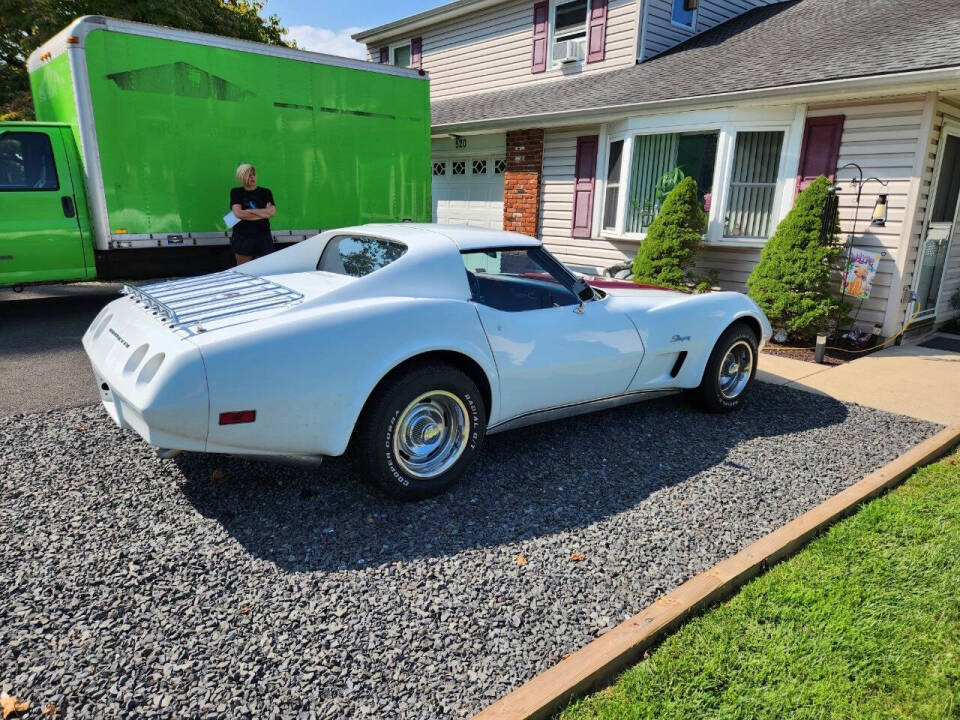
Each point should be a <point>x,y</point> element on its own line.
<point>858,277</point>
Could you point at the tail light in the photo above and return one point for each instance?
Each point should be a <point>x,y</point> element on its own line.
<point>235,417</point>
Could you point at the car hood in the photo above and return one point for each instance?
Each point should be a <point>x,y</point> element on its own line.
<point>615,286</point>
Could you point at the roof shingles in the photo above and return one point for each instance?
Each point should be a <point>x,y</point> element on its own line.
<point>790,43</point>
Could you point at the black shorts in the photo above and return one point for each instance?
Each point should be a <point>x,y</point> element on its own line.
<point>252,247</point>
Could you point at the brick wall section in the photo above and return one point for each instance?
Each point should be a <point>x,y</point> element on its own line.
<point>521,181</point>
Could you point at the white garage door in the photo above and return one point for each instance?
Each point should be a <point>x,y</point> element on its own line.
<point>468,190</point>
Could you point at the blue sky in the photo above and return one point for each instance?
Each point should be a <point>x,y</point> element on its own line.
<point>326,26</point>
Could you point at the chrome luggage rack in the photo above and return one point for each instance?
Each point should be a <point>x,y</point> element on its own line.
<point>194,301</point>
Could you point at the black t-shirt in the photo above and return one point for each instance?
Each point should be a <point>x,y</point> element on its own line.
<point>251,237</point>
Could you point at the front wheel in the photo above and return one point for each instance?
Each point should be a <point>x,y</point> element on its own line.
<point>730,370</point>
<point>420,433</point>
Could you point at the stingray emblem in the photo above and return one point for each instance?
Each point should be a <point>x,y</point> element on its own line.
<point>679,338</point>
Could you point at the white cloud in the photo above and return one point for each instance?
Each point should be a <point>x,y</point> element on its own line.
<point>332,42</point>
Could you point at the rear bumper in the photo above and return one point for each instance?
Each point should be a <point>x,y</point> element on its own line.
<point>151,380</point>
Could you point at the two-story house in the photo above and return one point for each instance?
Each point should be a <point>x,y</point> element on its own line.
<point>558,118</point>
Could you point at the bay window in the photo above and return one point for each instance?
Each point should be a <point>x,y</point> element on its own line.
<point>744,163</point>
<point>753,184</point>
<point>659,162</point>
<point>611,201</point>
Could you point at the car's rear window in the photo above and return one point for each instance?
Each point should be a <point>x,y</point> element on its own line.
<point>358,255</point>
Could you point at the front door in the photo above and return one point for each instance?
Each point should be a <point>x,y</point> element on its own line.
<point>550,349</point>
<point>40,237</point>
<point>941,227</point>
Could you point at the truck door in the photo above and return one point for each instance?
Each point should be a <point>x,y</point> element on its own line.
<point>40,238</point>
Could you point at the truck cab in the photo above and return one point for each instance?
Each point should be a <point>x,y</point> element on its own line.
<point>44,225</point>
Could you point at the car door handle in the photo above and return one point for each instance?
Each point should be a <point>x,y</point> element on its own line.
<point>67,203</point>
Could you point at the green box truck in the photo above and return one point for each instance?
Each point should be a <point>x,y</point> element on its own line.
<point>127,170</point>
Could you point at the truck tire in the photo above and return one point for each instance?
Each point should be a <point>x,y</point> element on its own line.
<point>729,371</point>
<point>417,436</point>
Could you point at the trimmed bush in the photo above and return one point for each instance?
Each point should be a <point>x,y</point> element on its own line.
<point>672,239</point>
<point>793,281</point>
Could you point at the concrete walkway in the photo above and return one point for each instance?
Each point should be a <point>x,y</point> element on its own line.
<point>909,380</point>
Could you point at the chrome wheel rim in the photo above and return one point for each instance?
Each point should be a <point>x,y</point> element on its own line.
<point>431,434</point>
<point>736,369</point>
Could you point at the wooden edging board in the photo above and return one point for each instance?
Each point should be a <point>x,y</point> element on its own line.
<point>601,660</point>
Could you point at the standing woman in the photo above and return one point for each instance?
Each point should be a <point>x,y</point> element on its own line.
<point>254,206</point>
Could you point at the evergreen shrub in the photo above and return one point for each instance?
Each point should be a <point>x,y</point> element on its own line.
<point>672,239</point>
<point>793,281</point>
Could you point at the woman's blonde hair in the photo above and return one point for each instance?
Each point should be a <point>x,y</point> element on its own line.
<point>243,171</point>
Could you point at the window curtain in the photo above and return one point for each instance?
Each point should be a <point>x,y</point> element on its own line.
<point>653,155</point>
<point>753,184</point>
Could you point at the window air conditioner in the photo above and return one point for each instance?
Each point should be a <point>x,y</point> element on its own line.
<point>566,51</point>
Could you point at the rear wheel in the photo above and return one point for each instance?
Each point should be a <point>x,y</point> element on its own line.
<point>730,370</point>
<point>419,434</point>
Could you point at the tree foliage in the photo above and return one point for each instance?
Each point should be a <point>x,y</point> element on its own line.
<point>672,239</point>
<point>26,24</point>
<point>792,283</point>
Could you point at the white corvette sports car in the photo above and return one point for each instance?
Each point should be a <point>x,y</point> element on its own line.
<point>407,344</point>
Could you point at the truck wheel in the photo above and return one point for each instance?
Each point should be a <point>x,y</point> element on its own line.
<point>417,436</point>
<point>729,371</point>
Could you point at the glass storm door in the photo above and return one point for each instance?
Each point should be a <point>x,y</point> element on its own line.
<point>941,228</point>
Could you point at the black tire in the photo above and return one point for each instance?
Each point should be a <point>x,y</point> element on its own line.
<point>713,394</point>
<point>425,392</point>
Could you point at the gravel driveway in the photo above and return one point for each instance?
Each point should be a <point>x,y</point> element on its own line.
<point>213,587</point>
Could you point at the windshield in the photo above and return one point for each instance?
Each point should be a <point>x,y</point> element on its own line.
<point>531,263</point>
<point>517,279</point>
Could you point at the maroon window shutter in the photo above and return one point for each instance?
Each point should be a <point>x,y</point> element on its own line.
<point>540,17</point>
<point>821,148</point>
<point>585,170</point>
<point>597,31</point>
<point>384,56</point>
<point>416,53</point>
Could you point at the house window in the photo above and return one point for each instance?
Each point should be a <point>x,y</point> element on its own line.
<point>459,167</point>
<point>753,184</point>
<point>659,163</point>
<point>499,166</point>
<point>685,13</point>
<point>401,55</point>
<point>570,29</point>
<point>612,197</point>
<point>439,169</point>
<point>479,167</point>
<point>738,164</point>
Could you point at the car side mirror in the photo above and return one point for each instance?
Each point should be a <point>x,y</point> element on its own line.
<point>581,288</point>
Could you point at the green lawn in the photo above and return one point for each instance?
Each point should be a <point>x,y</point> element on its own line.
<point>862,623</point>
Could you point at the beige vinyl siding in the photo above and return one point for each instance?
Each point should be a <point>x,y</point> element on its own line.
<point>492,49</point>
<point>888,140</point>
<point>661,34</point>
<point>556,206</point>
<point>728,267</point>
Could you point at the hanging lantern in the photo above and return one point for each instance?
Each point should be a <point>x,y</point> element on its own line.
<point>880,212</point>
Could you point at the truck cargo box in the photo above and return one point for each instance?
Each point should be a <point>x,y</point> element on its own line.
<point>162,118</point>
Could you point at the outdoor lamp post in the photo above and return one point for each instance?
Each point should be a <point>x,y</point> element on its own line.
<point>878,219</point>
<point>879,210</point>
